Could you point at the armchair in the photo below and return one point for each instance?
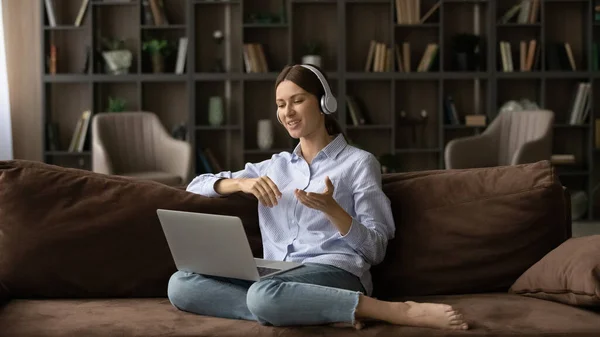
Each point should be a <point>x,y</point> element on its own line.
<point>514,137</point>
<point>136,144</point>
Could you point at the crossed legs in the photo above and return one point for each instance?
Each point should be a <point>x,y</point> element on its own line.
<point>311,295</point>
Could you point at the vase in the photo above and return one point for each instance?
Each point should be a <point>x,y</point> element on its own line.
<point>264,134</point>
<point>158,63</point>
<point>117,61</point>
<point>315,60</point>
<point>215,111</point>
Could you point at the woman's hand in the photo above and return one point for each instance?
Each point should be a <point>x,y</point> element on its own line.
<point>323,202</point>
<point>263,188</point>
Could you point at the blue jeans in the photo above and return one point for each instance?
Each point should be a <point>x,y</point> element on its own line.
<point>309,295</point>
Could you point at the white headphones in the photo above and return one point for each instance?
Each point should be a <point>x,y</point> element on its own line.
<point>328,101</point>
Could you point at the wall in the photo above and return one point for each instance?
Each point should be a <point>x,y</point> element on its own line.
<point>23,48</point>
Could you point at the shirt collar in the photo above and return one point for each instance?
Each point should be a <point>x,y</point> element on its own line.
<point>331,150</point>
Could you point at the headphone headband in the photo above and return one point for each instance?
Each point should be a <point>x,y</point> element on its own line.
<point>328,102</point>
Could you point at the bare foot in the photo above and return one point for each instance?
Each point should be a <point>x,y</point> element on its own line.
<point>358,325</point>
<point>440,316</point>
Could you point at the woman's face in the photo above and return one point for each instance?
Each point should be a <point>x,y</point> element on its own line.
<point>298,110</point>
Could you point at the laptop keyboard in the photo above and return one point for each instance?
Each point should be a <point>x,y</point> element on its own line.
<point>262,271</point>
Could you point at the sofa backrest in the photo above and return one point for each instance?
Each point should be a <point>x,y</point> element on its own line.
<point>470,230</point>
<point>67,233</point>
<point>78,234</point>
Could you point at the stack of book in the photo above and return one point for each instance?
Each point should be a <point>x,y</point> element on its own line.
<point>380,58</point>
<point>255,59</point>
<point>526,11</point>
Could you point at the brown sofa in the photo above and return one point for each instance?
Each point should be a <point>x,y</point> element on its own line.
<point>83,254</point>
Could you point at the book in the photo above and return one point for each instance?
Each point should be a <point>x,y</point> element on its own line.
<point>181,55</point>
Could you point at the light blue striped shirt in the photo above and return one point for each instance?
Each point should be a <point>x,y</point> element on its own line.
<point>293,232</point>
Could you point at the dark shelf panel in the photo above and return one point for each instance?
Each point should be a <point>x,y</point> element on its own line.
<point>369,127</point>
<point>463,127</point>
<point>271,76</point>
<point>417,150</point>
<point>314,1</point>
<point>370,75</point>
<point>569,126</point>
<point>67,153</point>
<point>115,3</point>
<point>519,25</point>
<point>65,27</point>
<point>163,77</point>
<point>460,75</point>
<point>67,78</point>
<point>217,128</point>
<point>567,74</point>
<point>266,25</point>
<point>114,78</point>
<point>418,25</point>
<point>217,2</point>
<point>163,27</point>
<point>467,1</point>
<point>368,1</point>
<point>217,76</point>
<point>520,74</point>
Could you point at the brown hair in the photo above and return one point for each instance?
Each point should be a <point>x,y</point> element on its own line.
<point>307,80</point>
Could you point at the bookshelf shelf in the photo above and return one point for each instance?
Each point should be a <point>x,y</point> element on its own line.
<point>519,25</point>
<point>64,27</point>
<point>114,3</point>
<point>476,84</point>
<point>418,25</point>
<point>216,2</point>
<point>163,27</point>
<point>416,150</point>
<point>217,128</point>
<point>570,126</point>
<point>67,153</point>
<point>369,127</point>
<point>266,25</point>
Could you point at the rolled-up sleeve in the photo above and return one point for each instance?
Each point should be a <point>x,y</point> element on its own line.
<point>373,223</point>
<point>204,184</point>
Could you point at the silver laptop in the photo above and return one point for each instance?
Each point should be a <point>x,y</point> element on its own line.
<point>216,245</point>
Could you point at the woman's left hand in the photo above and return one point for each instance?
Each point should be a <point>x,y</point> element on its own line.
<point>323,202</point>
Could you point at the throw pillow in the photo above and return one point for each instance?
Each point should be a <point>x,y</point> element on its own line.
<point>77,234</point>
<point>569,274</point>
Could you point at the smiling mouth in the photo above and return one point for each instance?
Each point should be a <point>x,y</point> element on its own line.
<point>293,123</point>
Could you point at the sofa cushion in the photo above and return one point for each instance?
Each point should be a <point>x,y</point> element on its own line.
<point>495,315</point>
<point>470,230</point>
<point>74,233</point>
<point>569,274</point>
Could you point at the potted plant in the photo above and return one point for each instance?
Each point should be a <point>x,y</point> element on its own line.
<point>116,104</point>
<point>158,50</point>
<point>117,58</point>
<point>312,56</point>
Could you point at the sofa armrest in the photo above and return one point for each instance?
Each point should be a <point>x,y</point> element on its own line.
<point>533,151</point>
<point>471,152</point>
<point>174,156</point>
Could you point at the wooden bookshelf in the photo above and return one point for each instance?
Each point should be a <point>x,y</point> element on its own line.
<point>391,99</point>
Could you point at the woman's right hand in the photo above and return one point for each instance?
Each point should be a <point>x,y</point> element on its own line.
<point>263,188</point>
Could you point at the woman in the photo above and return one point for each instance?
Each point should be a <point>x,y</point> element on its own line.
<point>321,205</point>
